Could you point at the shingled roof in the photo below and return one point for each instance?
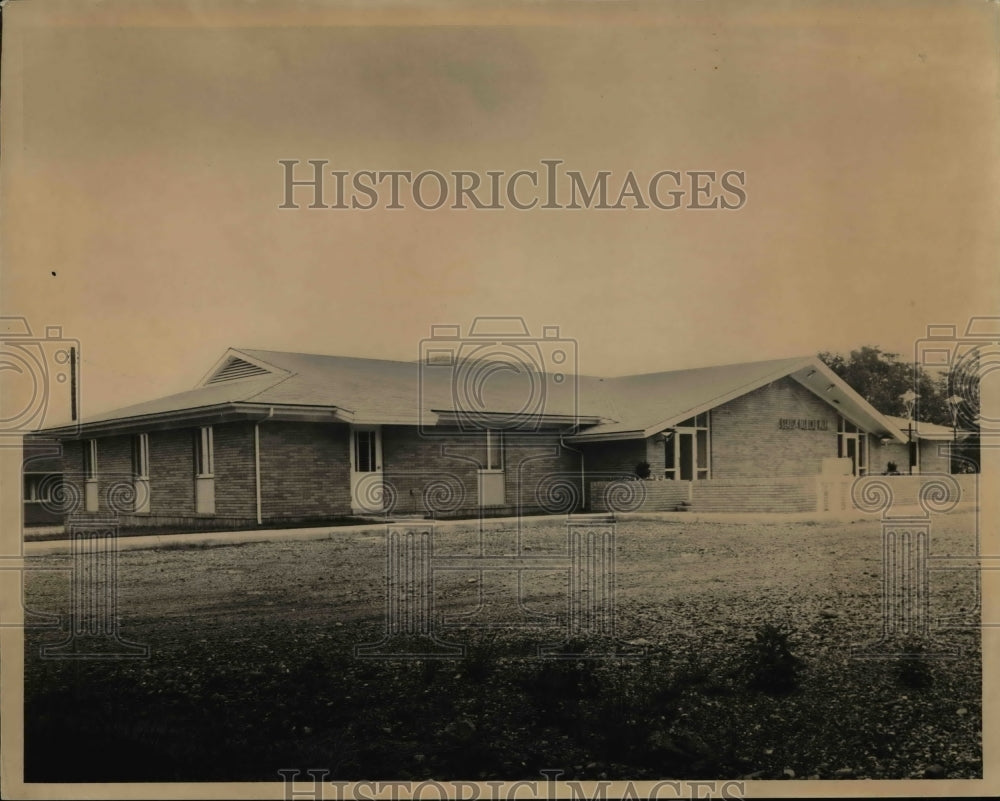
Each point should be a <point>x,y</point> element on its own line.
<point>250,382</point>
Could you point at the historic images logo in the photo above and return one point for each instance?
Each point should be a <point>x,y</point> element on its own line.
<point>908,560</point>
<point>313,784</point>
<point>544,187</point>
<point>41,384</point>
<point>40,380</point>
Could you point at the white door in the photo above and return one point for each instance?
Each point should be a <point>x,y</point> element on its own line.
<point>367,495</point>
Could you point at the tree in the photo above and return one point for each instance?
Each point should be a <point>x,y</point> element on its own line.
<point>962,381</point>
<point>881,378</point>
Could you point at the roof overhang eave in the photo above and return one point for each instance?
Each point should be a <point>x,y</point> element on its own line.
<point>217,413</point>
<point>450,417</point>
<point>949,437</point>
<point>609,436</point>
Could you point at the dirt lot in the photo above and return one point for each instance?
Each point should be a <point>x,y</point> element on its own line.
<point>244,635</point>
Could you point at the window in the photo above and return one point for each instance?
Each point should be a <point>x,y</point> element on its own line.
<point>90,502</point>
<point>140,472</point>
<point>852,443</point>
<point>90,460</point>
<point>140,456</point>
<point>494,450</point>
<point>38,488</point>
<point>688,450</point>
<point>492,481</point>
<point>365,457</point>
<point>204,453</point>
<point>204,466</point>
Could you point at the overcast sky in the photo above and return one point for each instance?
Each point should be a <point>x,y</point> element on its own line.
<point>142,184</point>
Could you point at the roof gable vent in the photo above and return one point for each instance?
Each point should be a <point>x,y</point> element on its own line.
<point>236,368</point>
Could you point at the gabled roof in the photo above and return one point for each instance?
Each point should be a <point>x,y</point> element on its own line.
<point>251,383</point>
<point>257,383</point>
<point>644,405</point>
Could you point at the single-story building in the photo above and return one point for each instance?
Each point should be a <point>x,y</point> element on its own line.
<point>271,437</point>
<point>929,448</point>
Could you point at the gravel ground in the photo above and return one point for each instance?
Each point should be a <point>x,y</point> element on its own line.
<point>691,592</point>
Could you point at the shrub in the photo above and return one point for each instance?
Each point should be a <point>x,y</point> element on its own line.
<point>769,663</point>
<point>912,669</point>
<point>642,470</point>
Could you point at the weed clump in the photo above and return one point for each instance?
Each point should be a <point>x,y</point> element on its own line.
<point>769,663</point>
<point>912,668</point>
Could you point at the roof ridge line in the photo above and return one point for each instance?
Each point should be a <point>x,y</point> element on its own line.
<point>802,358</point>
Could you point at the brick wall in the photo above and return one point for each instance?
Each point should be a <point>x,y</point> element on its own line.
<point>634,496</point>
<point>305,473</point>
<point>542,475</point>
<point>439,473</point>
<point>235,481</point>
<point>37,514</point>
<point>171,473</point>
<point>425,473</point>
<point>793,494</point>
<point>796,494</point>
<point>71,466</point>
<point>747,442</point>
<point>880,455</point>
<point>905,490</point>
<point>114,474</point>
<point>171,477</point>
<point>304,469</point>
<point>934,457</point>
<point>622,456</point>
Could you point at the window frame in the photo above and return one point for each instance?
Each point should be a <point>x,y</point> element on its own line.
<point>370,451</point>
<point>204,452</point>
<point>140,456</point>
<point>90,460</point>
<point>848,431</point>
<point>33,484</point>
<point>494,448</point>
<point>692,427</point>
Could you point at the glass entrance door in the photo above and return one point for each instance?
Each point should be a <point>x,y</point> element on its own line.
<point>852,443</point>
<point>687,454</point>
<point>686,447</point>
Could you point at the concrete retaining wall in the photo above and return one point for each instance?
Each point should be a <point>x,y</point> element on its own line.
<point>772,495</point>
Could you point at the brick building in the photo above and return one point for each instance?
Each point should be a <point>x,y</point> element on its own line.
<point>41,477</point>
<point>272,437</point>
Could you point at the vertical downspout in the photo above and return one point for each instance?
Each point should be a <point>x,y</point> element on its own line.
<point>583,474</point>
<point>256,463</point>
